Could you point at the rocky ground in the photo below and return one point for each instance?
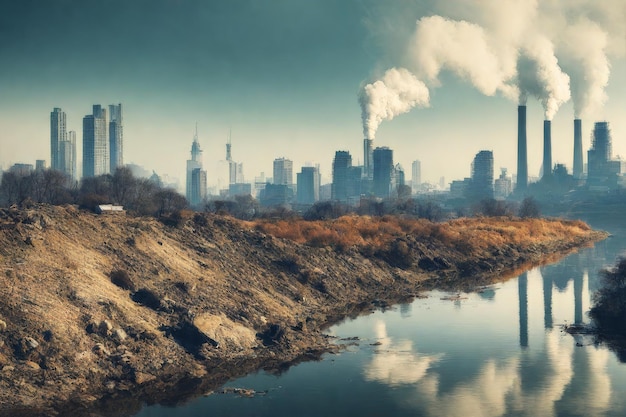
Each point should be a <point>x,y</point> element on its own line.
<point>106,312</point>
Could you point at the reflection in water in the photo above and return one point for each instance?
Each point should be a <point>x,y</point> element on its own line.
<point>547,300</point>
<point>578,298</point>
<point>529,383</point>
<point>396,363</point>
<point>522,288</point>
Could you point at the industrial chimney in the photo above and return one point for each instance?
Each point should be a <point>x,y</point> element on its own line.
<point>547,149</point>
<point>578,149</point>
<point>522,159</point>
<point>368,162</point>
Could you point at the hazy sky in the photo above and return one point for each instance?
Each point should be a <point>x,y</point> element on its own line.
<point>283,75</point>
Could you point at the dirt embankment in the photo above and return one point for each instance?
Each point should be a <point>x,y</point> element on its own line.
<point>112,311</point>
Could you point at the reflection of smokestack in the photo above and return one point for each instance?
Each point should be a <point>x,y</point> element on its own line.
<point>578,149</point>
<point>522,159</point>
<point>547,301</point>
<point>368,166</point>
<point>522,289</point>
<point>578,298</point>
<point>547,149</point>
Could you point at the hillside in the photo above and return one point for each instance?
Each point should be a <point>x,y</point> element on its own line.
<point>109,311</point>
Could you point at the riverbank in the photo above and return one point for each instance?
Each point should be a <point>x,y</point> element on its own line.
<point>108,312</point>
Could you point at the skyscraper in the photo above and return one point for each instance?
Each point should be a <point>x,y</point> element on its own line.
<point>341,173</point>
<point>599,156</point>
<point>283,171</point>
<point>308,185</point>
<point>116,137</point>
<point>196,177</point>
<point>67,155</point>
<point>416,179</point>
<point>383,170</point>
<point>482,176</point>
<point>58,133</point>
<point>95,143</point>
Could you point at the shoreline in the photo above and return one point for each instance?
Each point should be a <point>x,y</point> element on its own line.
<point>273,314</point>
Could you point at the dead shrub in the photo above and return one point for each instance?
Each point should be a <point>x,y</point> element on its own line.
<point>121,278</point>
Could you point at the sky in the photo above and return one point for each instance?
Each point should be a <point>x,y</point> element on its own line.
<point>283,78</point>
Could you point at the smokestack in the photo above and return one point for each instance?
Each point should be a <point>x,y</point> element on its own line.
<point>522,159</point>
<point>368,166</point>
<point>578,149</point>
<point>547,149</point>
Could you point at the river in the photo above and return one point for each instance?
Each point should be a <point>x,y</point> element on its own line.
<point>499,352</point>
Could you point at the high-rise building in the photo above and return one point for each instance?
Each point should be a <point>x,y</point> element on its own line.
<point>95,143</point>
<point>383,171</point>
<point>341,168</point>
<point>308,185</point>
<point>600,168</point>
<point>58,134</point>
<point>482,176</point>
<point>196,177</point>
<point>283,171</point>
<point>116,137</point>
<point>416,179</point>
<point>40,164</point>
<point>67,155</point>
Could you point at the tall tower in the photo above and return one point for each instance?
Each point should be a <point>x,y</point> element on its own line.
<point>547,149</point>
<point>67,155</point>
<point>58,134</point>
<point>95,143</point>
<point>383,169</point>
<point>368,159</point>
<point>283,171</point>
<point>116,142</point>
<point>416,179</point>
<point>195,190</point>
<point>308,185</point>
<point>482,176</point>
<point>522,159</point>
<point>578,149</point>
<point>341,170</point>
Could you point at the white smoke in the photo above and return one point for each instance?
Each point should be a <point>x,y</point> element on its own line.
<point>397,92</point>
<point>539,75</point>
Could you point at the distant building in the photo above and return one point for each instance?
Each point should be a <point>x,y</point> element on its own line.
<point>482,176</point>
<point>40,164</point>
<point>416,179</point>
<point>67,155</point>
<point>459,188</point>
<point>283,171</point>
<point>196,177</point>
<point>308,185</point>
<point>58,134</point>
<point>95,143</point>
<point>341,166</point>
<point>116,137</point>
<point>276,195</point>
<point>503,185</point>
<point>601,169</point>
<point>383,171</point>
<point>239,189</point>
<point>21,170</point>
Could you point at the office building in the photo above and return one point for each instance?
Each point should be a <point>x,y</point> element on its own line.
<point>383,171</point>
<point>308,185</point>
<point>196,184</point>
<point>482,176</point>
<point>283,171</point>
<point>341,166</point>
<point>416,179</point>
<point>95,143</point>
<point>67,155</point>
<point>58,134</point>
<point>116,137</point>
<point>503,185</point>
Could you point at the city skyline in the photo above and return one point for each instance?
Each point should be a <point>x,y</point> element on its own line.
<point>267,72</point>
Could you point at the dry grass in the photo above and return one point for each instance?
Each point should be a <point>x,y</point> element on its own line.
<point>466,234</point>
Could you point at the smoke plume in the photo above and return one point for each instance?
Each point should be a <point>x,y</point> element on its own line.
<point>539,75</point>
<point>397,92</point>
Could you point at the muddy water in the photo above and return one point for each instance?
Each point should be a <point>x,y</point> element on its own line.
<point>500,352</point>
